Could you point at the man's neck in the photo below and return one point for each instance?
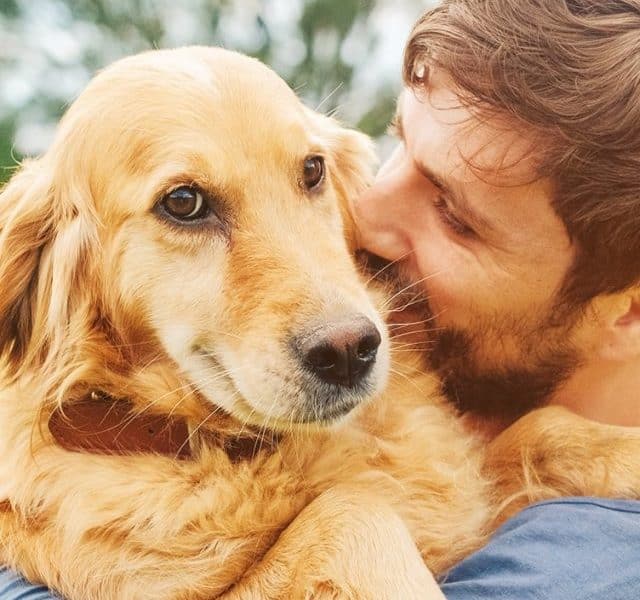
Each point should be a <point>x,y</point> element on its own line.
<point>607,391</point>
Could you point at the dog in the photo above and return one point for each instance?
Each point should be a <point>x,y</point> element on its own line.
<point>200,399</point>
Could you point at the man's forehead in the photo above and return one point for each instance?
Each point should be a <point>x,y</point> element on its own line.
<point>479,142</point>
<point>487,163</point>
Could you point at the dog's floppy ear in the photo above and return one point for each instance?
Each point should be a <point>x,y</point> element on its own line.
<point>39,249</point>
<point>354,160</point>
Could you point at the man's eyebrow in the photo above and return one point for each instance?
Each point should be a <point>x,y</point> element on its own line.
<point>457,198</point>
<point>459,201</point>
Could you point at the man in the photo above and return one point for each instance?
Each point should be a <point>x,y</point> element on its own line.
<point>515,194</point>
<point>513,203</point>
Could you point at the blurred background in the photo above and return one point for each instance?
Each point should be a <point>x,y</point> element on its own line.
<point>341,56</point>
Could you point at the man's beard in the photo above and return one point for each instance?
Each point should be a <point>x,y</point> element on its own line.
<point>470,381</point>
<point>504,393</point>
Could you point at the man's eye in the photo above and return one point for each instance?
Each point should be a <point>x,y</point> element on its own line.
<point>450,220</point>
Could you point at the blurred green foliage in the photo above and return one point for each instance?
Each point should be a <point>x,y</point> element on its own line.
<point>328,51</point>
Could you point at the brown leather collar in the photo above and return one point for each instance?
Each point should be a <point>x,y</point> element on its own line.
<point>101,424</point>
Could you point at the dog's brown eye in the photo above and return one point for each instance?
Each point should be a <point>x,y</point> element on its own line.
<point>313,172</point>
<point>185,203</point>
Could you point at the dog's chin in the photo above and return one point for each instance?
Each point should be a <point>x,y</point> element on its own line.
<point>242,410</point>
<point>319,406</point>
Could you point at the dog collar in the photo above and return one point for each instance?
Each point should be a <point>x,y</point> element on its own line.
<point>101,424</point>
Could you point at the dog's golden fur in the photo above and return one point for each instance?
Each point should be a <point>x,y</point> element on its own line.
<point>99,292</point>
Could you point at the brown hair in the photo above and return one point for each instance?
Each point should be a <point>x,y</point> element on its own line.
<point>569,69</point>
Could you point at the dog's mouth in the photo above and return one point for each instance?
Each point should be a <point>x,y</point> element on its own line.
<point>293,399</point>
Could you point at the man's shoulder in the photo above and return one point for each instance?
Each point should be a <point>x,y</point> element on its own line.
<point>568,548</point>
<point>578,516</point>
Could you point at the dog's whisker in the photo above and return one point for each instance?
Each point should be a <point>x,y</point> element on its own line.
<point>387,266</point>
<point>412,346</point>
<point>423,340</point>
<point>421,331</point>
<point>158,400</point>
<point>333,112</point>
<point>195,430</point>
<point>411,351</point>
<point>245,421</point>
<point>328,96</point>
<point>417,347</point>
<point>265,424</point>
<point>424,331</point>
<point>400,309</point>
<point>416,299</point>
<point>126,422</point>
<point>397,336</point>
<point>410,285</point>
<point>412,382</point>
<point>422,336</point>
<point>141,369</point>
<point>394,326</point>
<point>128,344</point>
<point>291,431</point>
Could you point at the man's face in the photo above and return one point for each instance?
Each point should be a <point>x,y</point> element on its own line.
<point>459,208</point>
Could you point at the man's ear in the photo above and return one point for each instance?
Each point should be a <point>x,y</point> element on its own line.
<point>619,317</point>
<point>353,163</point>
<point>40,241</point>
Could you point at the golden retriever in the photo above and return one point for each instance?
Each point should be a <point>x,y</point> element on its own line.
<point>193,367</point>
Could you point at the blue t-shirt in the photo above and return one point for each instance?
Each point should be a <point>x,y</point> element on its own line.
<point>568,549</point>
<point>13,587</point>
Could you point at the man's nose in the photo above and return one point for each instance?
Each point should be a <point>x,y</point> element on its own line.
<point>379,219</point>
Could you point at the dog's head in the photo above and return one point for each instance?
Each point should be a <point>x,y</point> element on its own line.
<point>189,198</point>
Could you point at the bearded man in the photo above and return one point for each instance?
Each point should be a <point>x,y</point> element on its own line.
<point>512,203</point>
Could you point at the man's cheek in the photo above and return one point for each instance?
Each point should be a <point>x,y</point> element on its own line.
<point>446,307</point>
<point>448,288</point>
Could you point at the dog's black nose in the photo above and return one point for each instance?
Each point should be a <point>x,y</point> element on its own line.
<point>342,352</point>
